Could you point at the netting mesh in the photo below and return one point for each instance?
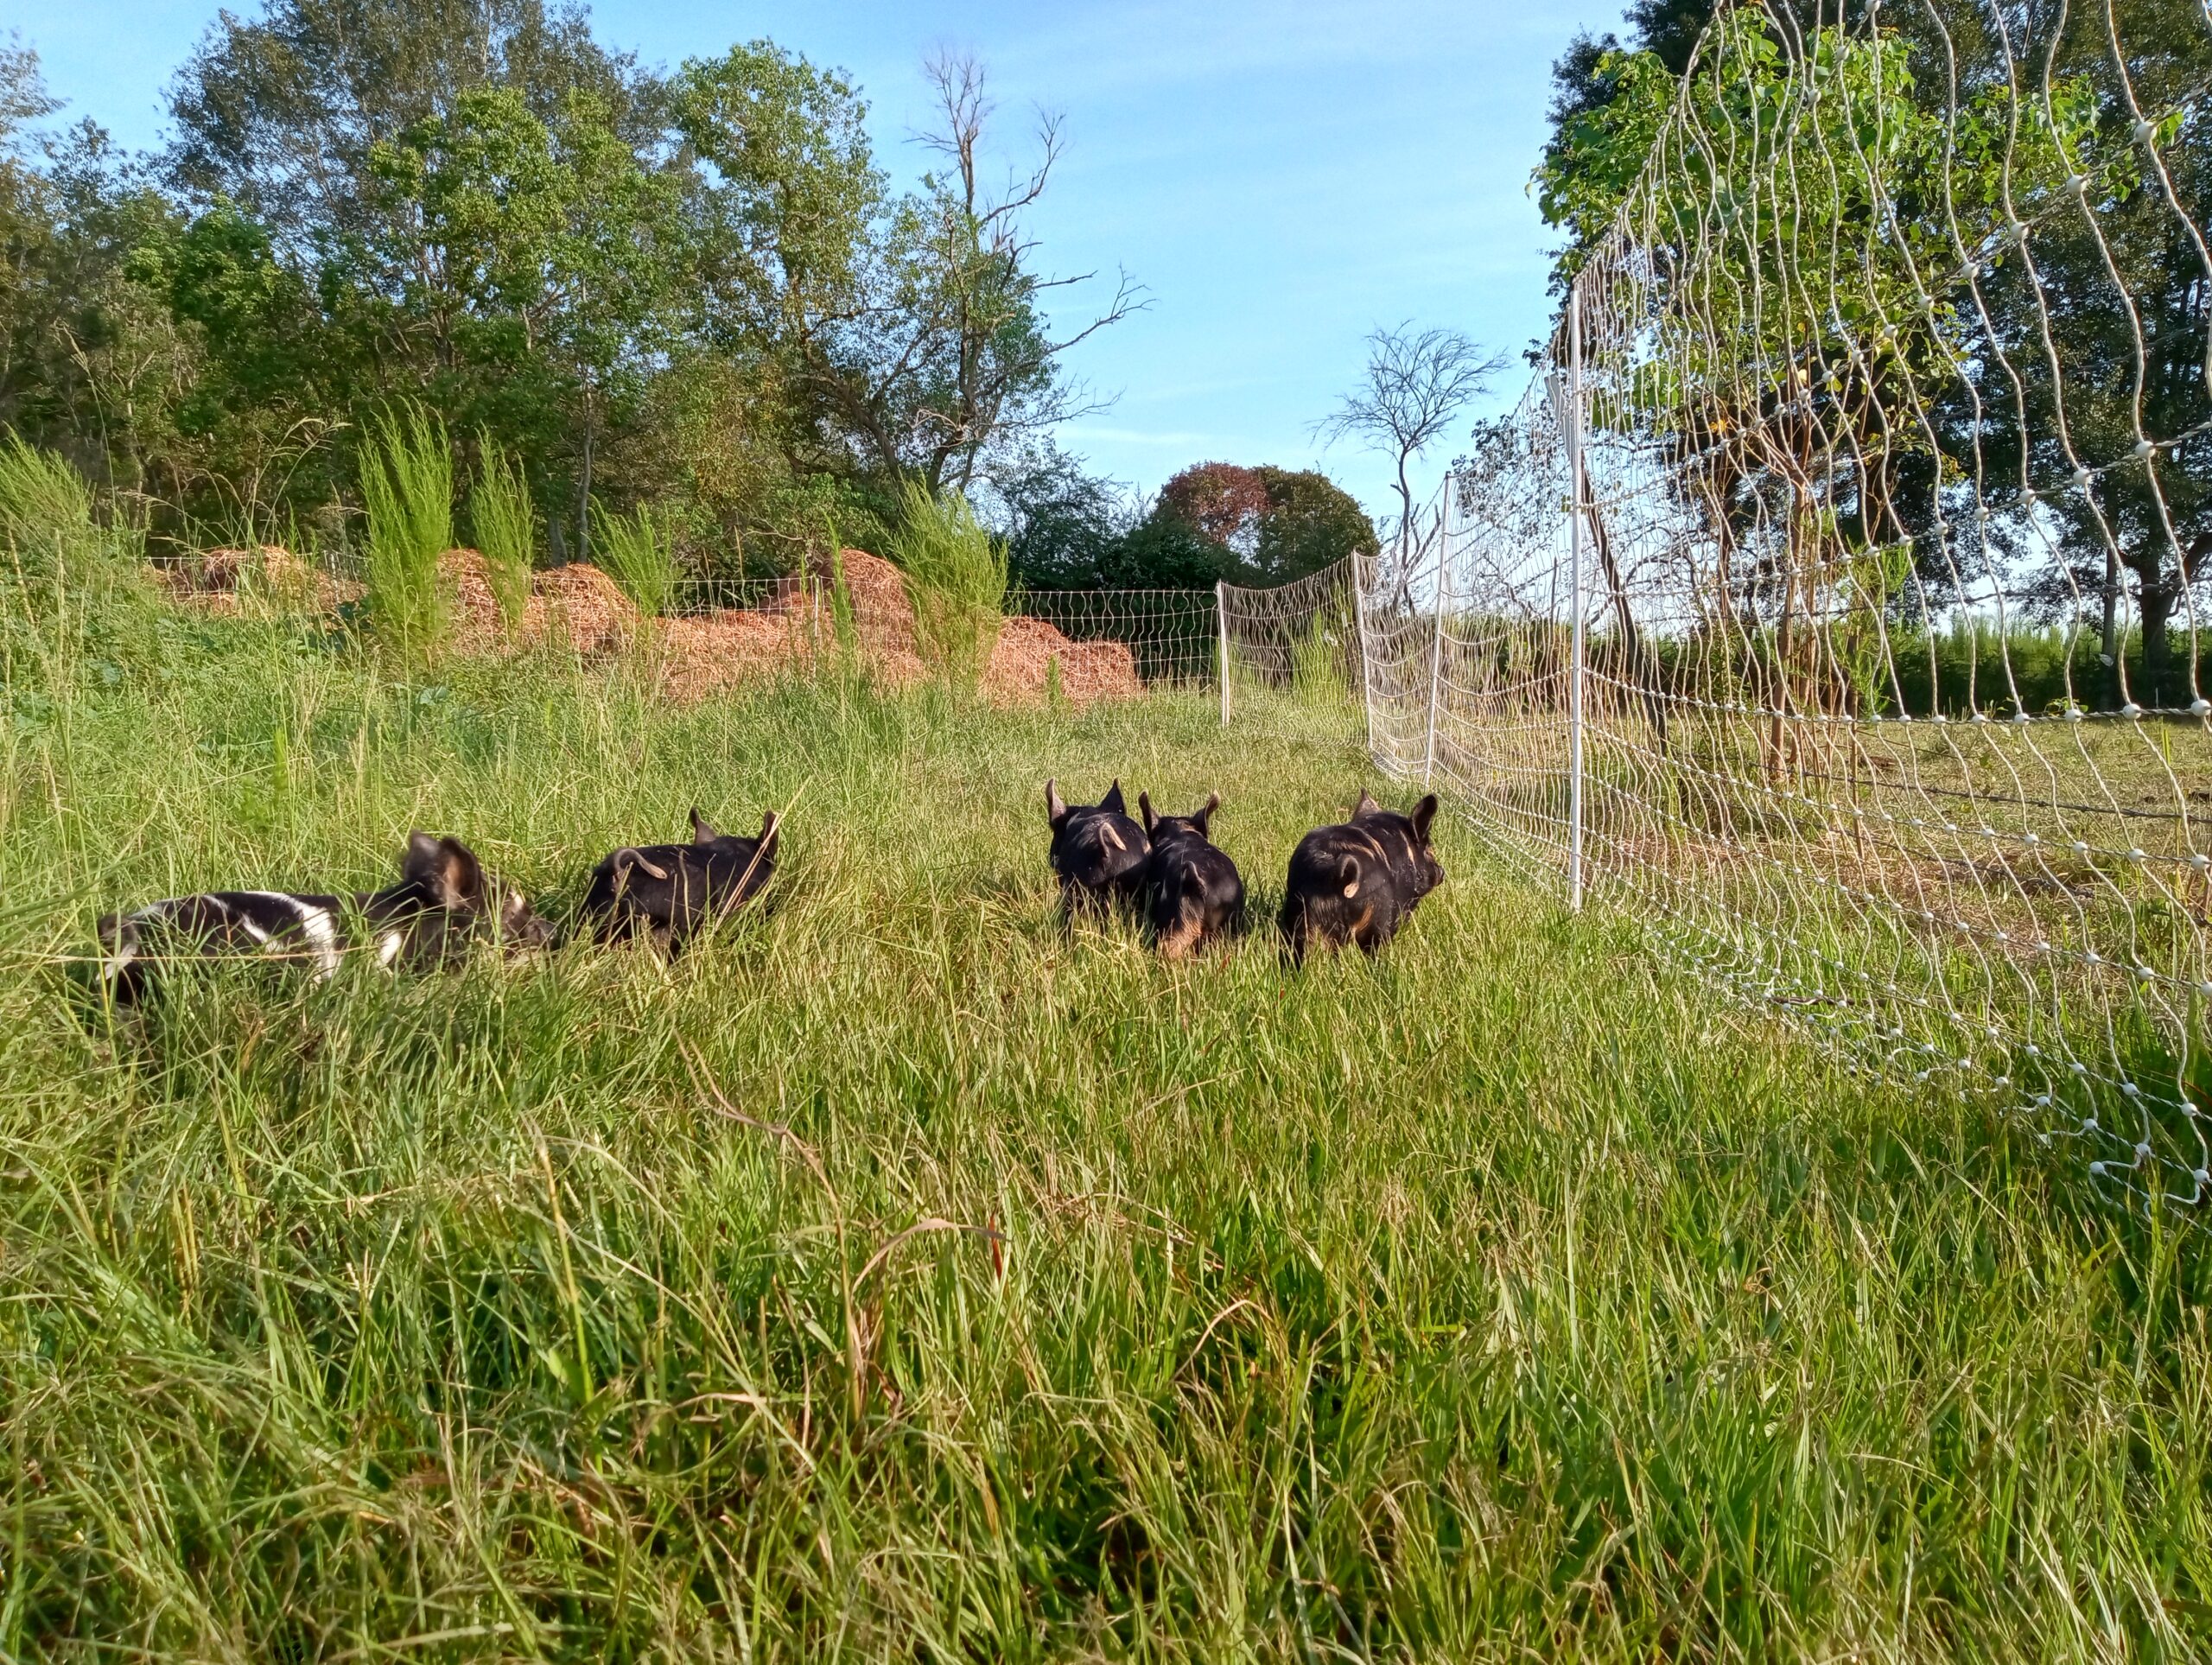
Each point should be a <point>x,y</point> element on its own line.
<point>1288,658</point>
<point>1869,672</point>
<point>1170,634</point>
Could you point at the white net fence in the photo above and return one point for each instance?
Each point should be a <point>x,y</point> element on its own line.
<point>1870,673</point>
<point>1288,657</point>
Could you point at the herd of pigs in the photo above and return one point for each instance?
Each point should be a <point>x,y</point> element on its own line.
<point>1353,883</point>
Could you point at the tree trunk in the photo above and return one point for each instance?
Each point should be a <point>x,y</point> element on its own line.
<point>1643,664</point>
<point>2157,645</point>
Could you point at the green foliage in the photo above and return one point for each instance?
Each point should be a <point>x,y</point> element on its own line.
<point>637,552</point>
<point>73,601</point>
<point>956,578</point>
<point>1901,182</point>
<point>1323,657</point>
<point>1310,522</point>
<point>1257,527</point>
<point>46,511</point>
<point>505,527</point>
<point>407,485</point>
<point>1065,526</point>
<point>697,290</point>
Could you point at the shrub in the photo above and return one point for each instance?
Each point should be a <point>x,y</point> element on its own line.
<point>956,576</point>
<point>73,597</point>
<point>505,528</point>
<point>407,488</point>
<point>46,511</point>
<point>638,553</point>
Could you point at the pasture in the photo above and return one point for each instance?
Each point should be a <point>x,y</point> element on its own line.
<point>904,1275</point>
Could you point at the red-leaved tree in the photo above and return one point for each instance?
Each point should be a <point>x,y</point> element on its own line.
<point>1222,502</point>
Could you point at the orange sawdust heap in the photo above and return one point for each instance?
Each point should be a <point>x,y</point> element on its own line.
<point>227,581</point>
<point>579,608</point>
<point>576,608</point>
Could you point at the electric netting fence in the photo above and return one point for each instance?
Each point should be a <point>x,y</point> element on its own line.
<point>1832,601</point>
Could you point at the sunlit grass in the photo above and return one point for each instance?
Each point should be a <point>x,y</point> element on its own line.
<point>406,480</point>
<point>907,1275</point>
<point>636,551</point>
<point>505,527</point>
<point>956,578</point>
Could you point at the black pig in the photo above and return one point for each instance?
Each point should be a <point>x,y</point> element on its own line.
<point>445,899</point>
<point>674,891</point>
<point>1098,852</point>
<point>1193,892</point>
<point>1358,882</point>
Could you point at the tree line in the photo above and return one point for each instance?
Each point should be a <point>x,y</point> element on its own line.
<point>696,289</point>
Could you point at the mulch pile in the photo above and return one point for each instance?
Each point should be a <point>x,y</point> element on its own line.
<point>576,608</point>
<point>579,608</point>
<point>232,582</point>
<point>1021,670</point>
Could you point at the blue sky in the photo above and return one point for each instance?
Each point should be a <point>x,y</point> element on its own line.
<point>1279,177</point>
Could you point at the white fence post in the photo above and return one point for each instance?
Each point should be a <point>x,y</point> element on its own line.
<point>1574,592</point>
<point>1221,623</point>
<point>1436,645</point>
<point>1359,627</point>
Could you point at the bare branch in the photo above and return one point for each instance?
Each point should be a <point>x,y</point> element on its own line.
<point>1416,383</point>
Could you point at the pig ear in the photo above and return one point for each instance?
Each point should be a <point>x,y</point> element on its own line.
<point>1114,803</point>
<point>446,866</point>
<point>1367,805</point>
<point>702,830</point>
<point>770,828</point>
<point>1213,803</point>
<point>1144,811</point>
<point>1424,814</point>
<point>1055,807</point>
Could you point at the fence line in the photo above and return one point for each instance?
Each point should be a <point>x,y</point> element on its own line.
<point>1828,606</point>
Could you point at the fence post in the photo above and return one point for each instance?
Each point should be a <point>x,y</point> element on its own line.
<point>1221,628</point>
<point>1574,591</point>
<point>1359,628</point>
<point>1436,645</point>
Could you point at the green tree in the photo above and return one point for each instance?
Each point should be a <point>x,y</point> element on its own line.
<point>1219,521</point>
<point>2095,346</point>
<point>91,363</point>
<point>1784,375</point>
<point>1310,522</point>
<point>524,272</point>
<point>1065,527</point>
<point>945,361</point>
<point>281,114</point>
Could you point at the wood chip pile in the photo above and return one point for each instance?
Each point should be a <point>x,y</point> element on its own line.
<point>579,608</point>
<point>232,582</point>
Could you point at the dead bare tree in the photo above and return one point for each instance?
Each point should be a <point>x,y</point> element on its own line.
<point>1416,383</point>
<point>952,357</point>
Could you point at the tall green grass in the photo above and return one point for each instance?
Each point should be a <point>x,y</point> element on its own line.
<point>73,597</point>
<point>907,1274</point>
<point>46,510</point>
<point>956,577</point>
<point>506,526</point>
<point>637,552</point>
<point>407,488</point>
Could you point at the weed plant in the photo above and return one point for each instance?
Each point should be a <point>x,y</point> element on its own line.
<point>407,487</point>
<point>956,577</point>
<point>74,602</point>
<point>638,553</point>
<point>506,526</point>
